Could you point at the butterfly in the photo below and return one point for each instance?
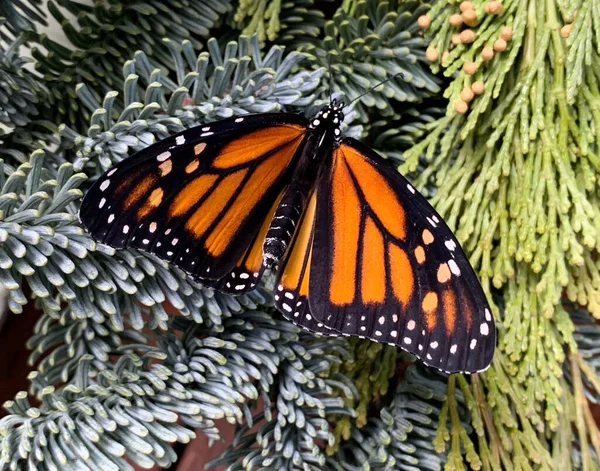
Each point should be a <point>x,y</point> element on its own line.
<point>357,250</point>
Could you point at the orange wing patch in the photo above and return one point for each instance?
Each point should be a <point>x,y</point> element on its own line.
<point>429,305</point>
<point>380,197</point>
<point>449,305</point>
<point>153,201</point>
<point>254,189</point>
<point>256,144</point>
<point>253,258</point>
<point>208,211</point>
<point>346,226</point>
<point>402,276</point>
<point>190,194</point>
<point>296,271</point>
<point>373,265</point>
<point>139,190</point>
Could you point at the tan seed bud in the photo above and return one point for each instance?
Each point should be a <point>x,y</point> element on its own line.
<point>493,8</point>
<point>460,106</point>
<point>456,20</point>
<point>478,87</point>
<point>470,68</point>
<point>423,21</point>
<point>506,33</point>
<point>456,39</point>
<point>467,36</point>
<point>500,45</point>
<point>431,54</point>
<point>566,30</point>
<point>487,53</point>
<point>470,17</point>
<point>464,6</point>
<point>466,95</point>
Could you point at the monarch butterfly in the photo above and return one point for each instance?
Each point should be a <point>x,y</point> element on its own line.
<point>358,250</point>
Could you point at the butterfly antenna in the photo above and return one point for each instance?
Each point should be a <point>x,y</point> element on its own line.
<point>399,74</point>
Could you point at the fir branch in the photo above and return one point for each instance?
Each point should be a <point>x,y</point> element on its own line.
<point>220,83</point>
<point>377,41</point>
<point>133,406</point>
<point>21,95</point>
<point>19,16</point>
<point>100,51</point>
<point>293,419</point>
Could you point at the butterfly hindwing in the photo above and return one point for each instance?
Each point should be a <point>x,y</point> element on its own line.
<point>292,284</point>
<point>386,267</point>
<point>199,199</point>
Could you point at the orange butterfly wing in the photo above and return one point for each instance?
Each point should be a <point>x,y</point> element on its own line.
<point>201,199</point>
<point>384,266</point>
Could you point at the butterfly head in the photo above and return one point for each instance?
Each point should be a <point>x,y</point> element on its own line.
<point>330,117</point>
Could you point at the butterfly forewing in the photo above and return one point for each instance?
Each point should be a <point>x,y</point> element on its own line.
<point>199,199</point>
<point>386,267</point>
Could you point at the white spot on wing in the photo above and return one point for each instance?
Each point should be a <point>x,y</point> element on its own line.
<point>410,188</point>
<point>164,156</point>
<point>450,245</point>
<point>431,221</point>
<point>454,267</point>
<point>473,344</point>
<point>286,307</point>
<point>111,218</point>
<point>382,320</point>
<point>179,140</point>
<point>488,315</point>
<point>407,340</point>
<point>102,202</point>
<point>453,349</point>
<point>434,345</point>
<point>125,229</point>
<point>111,171</point>
<point>411,325</point>
<point>205,134</point>
<point>105,184</point>
<point>484,328</point>
<point>239,120</point>
<point>394,333</point>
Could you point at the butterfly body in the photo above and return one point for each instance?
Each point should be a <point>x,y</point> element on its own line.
<point>324,130</point>
<point>357,250</point>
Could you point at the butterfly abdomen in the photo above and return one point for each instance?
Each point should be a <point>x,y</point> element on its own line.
<point>283,225</point>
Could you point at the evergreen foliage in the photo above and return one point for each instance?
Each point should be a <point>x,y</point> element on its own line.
<point>130,356</point>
